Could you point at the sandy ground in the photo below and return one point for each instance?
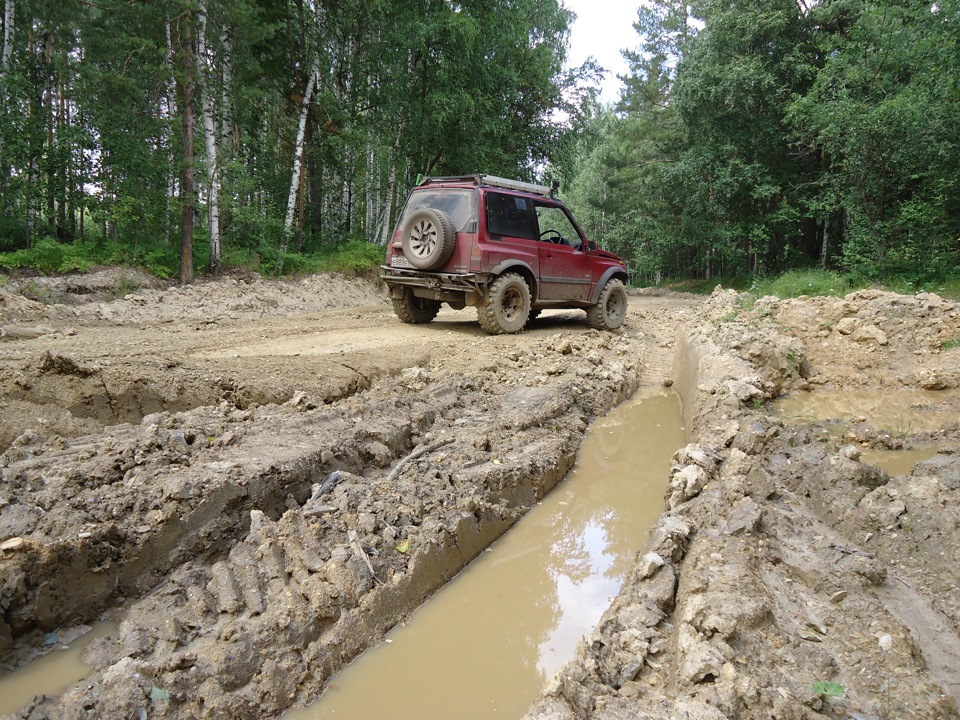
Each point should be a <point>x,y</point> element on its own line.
<point>267,476</point>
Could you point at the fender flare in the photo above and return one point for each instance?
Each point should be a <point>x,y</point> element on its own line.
<point>521,267</point>
<point>613,272</point>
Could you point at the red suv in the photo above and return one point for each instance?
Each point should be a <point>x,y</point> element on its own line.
<point>506,247</point>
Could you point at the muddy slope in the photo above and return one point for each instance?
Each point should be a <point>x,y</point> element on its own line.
<point>321,475</point>
<point>786,578</point>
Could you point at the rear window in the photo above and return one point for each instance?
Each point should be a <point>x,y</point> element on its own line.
<point>458,205</point>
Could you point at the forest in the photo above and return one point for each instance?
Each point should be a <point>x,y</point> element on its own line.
<point>751,136</point>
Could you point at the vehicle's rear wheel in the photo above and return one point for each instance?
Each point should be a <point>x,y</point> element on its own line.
<point>429,239</point>
<point>411,309</point>
<point>611,308</point>
<point>507,306</point>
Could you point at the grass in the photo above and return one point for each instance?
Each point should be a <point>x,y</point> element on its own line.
<point>49,257</point>
<point>797,283</point>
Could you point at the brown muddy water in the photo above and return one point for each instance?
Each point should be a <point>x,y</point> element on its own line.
<point>52,674</point>
<point>486,643</point>
<point>899,412</point>
<point>897,462</point>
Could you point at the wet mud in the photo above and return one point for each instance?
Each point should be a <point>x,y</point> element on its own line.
<point>788,577</point>
<point>318,484</point>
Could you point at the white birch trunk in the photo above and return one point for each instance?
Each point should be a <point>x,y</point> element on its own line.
<point>298,151</point>
<point>210,142</point>
<point>384,225</point>
<point>825,244</point>
<point>172,188</point>
<point>8,17</point>
<point>226,114</point>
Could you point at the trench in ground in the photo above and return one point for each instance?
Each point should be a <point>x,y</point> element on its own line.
<point>515,616</point>
<point>486,643</point>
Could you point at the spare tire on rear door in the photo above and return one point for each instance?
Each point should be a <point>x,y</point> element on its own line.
<point>429,238</point>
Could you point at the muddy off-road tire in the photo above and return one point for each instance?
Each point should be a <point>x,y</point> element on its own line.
<point>429,239</point>
<point>507,307</point>
<point>611,309</point>
<point>411,309</point>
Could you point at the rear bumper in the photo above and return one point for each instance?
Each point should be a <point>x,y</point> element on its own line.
<point>469,288</point>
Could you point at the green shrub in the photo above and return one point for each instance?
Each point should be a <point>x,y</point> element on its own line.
<point>802,282</point>
<point>356,257</point>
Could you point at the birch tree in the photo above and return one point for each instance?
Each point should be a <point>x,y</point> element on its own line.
<point>185,80</point>
<point>312,80</point>
<point>8,19</point>
<point>205,65</point>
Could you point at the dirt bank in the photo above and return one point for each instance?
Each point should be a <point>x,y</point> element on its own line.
<point>266,485</point>
<point>788,579</point>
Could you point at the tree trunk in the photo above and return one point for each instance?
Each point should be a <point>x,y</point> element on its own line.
<point>187,189</point>
<point>824,245</point>
<point>8,17</point>
<point>210,141</point>
<point>171,97</point>
<point>312,80</point>
<point>384,222</point>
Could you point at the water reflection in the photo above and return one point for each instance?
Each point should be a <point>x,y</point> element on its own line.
<point>53,673</point>
<point>488,641</point>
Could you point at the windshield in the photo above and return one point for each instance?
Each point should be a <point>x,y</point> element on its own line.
<point>457,204</point>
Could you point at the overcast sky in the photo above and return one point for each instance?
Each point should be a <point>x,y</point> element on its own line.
<point>603,28</point>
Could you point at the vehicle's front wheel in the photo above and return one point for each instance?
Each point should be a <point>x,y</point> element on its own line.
<point>611,308</point>
<point>412,309</point>
<point>507,306</point>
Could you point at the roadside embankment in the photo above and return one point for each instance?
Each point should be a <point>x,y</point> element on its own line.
<point>786,578</point>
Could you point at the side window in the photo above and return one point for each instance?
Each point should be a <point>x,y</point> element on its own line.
<point>510,215</point>
<point>554,226</point>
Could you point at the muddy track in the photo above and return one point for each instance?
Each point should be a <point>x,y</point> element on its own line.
<point>266,485</point>
<point>265,498</point>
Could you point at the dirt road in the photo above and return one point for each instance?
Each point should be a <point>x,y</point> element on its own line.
<point>267,476</point>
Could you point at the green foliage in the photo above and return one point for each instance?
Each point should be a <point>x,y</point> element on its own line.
<point>829,689</point>
<point>802,282</point>
<point>48,256</point>
<point>96,140</point>
<point>762,136</point>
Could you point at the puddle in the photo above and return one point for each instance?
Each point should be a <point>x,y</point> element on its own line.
<point>897,462</point>
<point>51,675</point>
<point>486,643</point>
<point>899,412</point>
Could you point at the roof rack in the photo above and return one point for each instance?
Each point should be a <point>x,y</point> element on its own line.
<point>494,181</point>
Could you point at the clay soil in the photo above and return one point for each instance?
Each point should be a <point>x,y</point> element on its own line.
<point>266,476</point>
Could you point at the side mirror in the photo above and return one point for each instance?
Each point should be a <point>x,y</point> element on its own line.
<point>591,245</point>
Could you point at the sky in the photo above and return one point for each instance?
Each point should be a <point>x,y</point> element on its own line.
<point>602,29</point>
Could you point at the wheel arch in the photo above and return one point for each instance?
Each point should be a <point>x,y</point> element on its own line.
<point>520,268</point>
<point>614,272</point>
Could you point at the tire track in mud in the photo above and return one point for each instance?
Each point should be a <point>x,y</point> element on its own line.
<point>255,595</point>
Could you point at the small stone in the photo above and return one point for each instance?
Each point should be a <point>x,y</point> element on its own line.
<point>649,564</point>
<point>838,596</point>
<point>12,543</point>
